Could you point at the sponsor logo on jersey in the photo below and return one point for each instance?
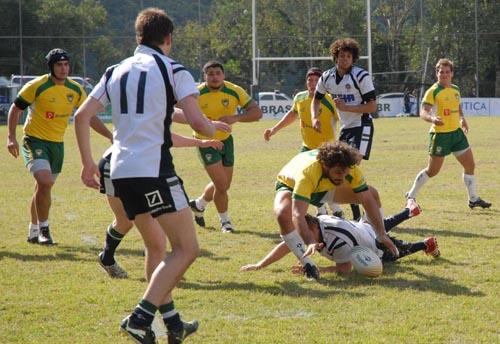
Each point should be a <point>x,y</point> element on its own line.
<point>154,198</point>
<point>70,98</point>
<point>447,112</point>
<point>348,86</point>
<point>225,102</point>
<point>345,97</point>
<point>50,115</point>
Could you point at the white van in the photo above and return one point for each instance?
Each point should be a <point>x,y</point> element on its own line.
<point>393,105</point>
<point>274,105</point>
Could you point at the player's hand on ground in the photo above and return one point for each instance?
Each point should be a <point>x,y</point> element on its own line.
<point>268,133</point>
<point>436,120</point>
<point>215,144</point>
<point>250,267</point>
<point>316,124</point>
<point>222,126</point>
<point>89,175</point>
<point>13,147</point>
<point>465,125</point>
<point>387,242</point>
<point>312,249</point>
<point>229,119</point>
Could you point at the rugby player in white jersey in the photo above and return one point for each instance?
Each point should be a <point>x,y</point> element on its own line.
<point>352,90</point>
<point>336,237</point>
<point>142,91</point>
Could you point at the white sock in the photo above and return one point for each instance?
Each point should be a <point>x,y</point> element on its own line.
<point>43,223</point>
<point>470,184</point>
<point>420,180</point>
<point>201,203</point>
<point>295,243</point>
<point>224,217</point>
<point>33,230</point>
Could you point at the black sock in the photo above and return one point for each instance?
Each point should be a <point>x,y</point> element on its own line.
<point>356,213</point>
<point>113,239</point>
<point>171,317</point>
<point>396,219</point>
<point>418,246</point>
<point>144,313</point>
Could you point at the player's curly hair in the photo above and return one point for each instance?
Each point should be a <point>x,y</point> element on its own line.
<point>345,44</point>
<point>152,25</point>
<point>337,153</point>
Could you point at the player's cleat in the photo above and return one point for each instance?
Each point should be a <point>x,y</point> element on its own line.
<point>33,236</point>
<point>311,272</point>
<point>479,203</point>
<point>414,208</point>
<point>44,238</point>
<point>431,247</point>
<point>114,270</point>
<point>140,334</point>
<point>198,213</point>
<point>188,328</point>
<point>227,227</point>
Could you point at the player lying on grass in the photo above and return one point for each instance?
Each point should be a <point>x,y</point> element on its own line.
<point>121,225</point>
<point>337,237</point>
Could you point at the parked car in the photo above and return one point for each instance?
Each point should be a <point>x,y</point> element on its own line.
<point>393,105</point>
<point>274,105</point>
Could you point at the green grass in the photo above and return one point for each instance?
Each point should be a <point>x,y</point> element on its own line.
<point>60,295</point>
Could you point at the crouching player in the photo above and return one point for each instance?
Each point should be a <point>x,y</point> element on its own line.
<point>336,237</point>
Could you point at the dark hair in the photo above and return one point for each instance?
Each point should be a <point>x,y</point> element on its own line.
<point>213,64</point>
<point>337,153</point>
<point>152,25</point>
<point>311,220</point>
<point>444,62</point>
<point>314,71</point>
<point>345,44</point>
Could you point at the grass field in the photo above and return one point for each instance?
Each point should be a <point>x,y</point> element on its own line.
<point>60,295</point>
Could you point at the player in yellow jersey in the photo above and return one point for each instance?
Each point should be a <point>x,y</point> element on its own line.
<point>441,107</point>
<point>329,173</point>
<point>219,101</point>
<point>301,108</point>
<point>311,139</point>
<point>52,99</point>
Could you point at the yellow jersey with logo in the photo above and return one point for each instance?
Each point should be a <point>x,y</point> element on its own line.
<point>222,102</point>
<point>327,115</point>
<point>446,104</point>
<point>50,106</point>
<point>304,174</point>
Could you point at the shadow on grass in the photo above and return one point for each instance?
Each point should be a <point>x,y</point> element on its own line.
<point>274,235</point>
<point>424,282</point>
<point>288,288</point>
<point>42,257</point>
<point>443,233</point>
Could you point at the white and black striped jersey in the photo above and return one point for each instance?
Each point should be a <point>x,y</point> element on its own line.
<point>340,236</point>
<point>142,91</point>
<point>355,87</point>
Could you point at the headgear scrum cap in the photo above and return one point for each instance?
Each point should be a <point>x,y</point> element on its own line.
<point>54,56</point>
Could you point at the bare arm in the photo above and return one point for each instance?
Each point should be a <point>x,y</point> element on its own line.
<point>183,141</point>
<point>368,107</point>
<point>372,210</point>
<point>278,252</point>
<point>83,118</point>
<point>178,117</point>
<point>288,119</point>
<point>194,117</point>
<point>299,211</point>
<point>463,121</point>
<point>99,127</point>
<point>426,115</point>
<point>251,113</point>
<point>13,119</point>
<point>315,105</point>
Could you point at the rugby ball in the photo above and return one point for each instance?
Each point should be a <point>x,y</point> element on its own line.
<point>366,262</point>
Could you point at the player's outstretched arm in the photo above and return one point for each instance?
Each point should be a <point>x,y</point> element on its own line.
<point>278,252</point>
<point>251,113</point>
<point>288,119</point>
<point>83,117</point>
<point>13,119</point>
<point>194,117</point>
<point>183,141</point>
<point>315,104</point>
<point>99,127</point>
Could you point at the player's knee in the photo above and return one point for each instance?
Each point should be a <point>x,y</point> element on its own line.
<point>222,185</point>
<point>123,225</point>
<point>44,183</point>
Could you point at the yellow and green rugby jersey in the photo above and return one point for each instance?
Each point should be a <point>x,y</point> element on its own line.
<point>305,176</point>
<point>327,114</point>
<point>222,102</point>
<point>446,104</point>
<point>51,106</point>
